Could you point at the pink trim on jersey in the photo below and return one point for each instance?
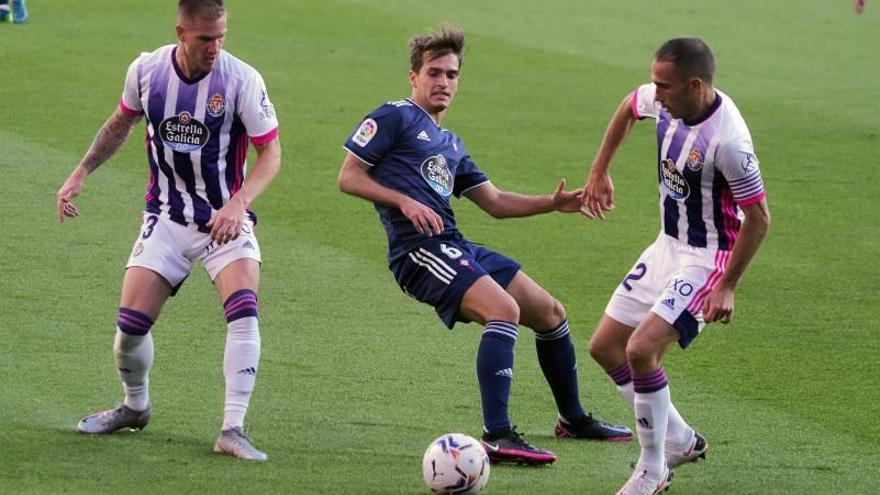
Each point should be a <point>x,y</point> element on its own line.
<point>754,199</point>
<point>265,138</point>
<point>634,104</point>
<point>721,258</point>
<point>728,212</point>
<point>240,157</point>
<point>150,184</point>
<point>126,110</point>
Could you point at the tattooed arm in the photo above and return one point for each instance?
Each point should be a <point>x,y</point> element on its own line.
<point>113,133</point>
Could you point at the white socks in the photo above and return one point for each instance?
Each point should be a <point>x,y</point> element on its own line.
<point>134,357</point>
<point>240,364</point>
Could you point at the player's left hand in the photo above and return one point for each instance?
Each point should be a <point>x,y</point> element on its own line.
<point>718,305</point>
<point>566,201</point>
<point>226,223</point>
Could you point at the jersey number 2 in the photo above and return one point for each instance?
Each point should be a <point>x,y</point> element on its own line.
<point>637,274</point>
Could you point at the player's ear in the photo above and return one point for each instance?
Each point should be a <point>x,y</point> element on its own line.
<point>180,32</point>
<point>412,77</point>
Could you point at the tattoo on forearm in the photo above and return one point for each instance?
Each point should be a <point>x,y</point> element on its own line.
<point>113,133</point>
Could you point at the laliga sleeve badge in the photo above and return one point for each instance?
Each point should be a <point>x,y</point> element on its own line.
<point>365,132</point>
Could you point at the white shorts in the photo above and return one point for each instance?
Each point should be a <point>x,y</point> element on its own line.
<point>670,279</point>
<point>170,249</point>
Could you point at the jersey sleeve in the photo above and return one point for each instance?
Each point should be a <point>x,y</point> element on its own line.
<point>467,177</point>
<point>256,110</point>
<point>375,136</point>
<point>738,164</point>
<point>642,102</point>
<point>130,102</point>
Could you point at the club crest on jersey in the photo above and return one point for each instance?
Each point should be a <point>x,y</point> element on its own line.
<point>437,175</point>
<point>365,132</point>
<point>695,160</point>
<point>183,133</point>
<point>216,105</point>
<point>673,180</point>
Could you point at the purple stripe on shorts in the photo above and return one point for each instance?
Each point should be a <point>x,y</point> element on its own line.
<point>621,375</point>
<point>652,382</point>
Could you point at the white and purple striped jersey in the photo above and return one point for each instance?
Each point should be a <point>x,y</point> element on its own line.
<point>197,131</point>
<point>706,170</point>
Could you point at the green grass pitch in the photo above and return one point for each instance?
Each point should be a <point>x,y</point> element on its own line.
<point>356,379</point>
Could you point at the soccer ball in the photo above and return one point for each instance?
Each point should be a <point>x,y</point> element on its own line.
<point>455,463</point>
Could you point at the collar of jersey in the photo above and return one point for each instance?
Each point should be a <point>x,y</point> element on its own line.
<point>180,72</point>
<point>707,114</point>
<point>439,127</point>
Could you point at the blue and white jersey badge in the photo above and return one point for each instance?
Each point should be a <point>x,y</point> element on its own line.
<point>436,173</point>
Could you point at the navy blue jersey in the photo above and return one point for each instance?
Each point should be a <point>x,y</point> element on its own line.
<point>408,152</point>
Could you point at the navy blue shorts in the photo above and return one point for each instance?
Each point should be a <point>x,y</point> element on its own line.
<point>439,272</point>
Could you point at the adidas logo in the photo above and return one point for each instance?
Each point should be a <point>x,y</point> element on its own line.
<point>247,371</point>
<point>508,372</point>
<point>644,423</point>
<point>423,136</point>
<point>248,245</point>
<point>669,303</point>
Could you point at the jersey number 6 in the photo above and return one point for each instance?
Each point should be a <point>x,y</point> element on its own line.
<point>451,252</point>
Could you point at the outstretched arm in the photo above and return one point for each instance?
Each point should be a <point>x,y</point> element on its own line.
<point>598,194</point>
<point>503,204</point>
<point>226,223</point>
<point>355,180</point>
<point>718,304</point>
<point>113,133</point>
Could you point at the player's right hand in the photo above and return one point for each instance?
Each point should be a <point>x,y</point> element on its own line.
<point>598,195</point>
<point>425,220</point>
<point>69,190</point>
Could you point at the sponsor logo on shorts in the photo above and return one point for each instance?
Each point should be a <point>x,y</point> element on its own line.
<point>216,105</point>
<point>669,303</point>
<point>248,245</point>
<point>183,133</point>
<point>673,180</point>
<point>436,173</point>
<point>365,132</point>
<point>138,249</point>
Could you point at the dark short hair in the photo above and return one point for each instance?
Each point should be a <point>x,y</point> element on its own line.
<point>692,57</point>
<point>448,39</point>
<point>207,9</point>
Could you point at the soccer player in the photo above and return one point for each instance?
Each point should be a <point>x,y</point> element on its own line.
<point>714,217</point>
<point>408,165</point>
<point>18,14</point>
<point>202,106</point>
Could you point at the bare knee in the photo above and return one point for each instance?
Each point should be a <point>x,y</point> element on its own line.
<point>642,356</point>
<point>545,318</point>
<point>505,310</point>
